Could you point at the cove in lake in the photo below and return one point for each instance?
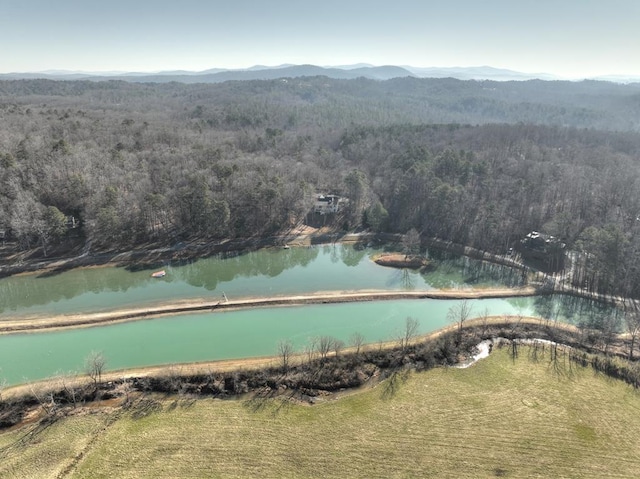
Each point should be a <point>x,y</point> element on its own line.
<point>266,272</point>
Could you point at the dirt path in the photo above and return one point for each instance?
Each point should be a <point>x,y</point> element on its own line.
<point>48,323</point>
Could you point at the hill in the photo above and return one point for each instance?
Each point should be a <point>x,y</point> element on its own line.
<point>263,72</point>
<point>216,75</point>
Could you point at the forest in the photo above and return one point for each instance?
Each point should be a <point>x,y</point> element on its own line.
<point>114,165</point>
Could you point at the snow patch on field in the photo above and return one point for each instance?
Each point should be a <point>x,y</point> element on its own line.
<point>483,349</point>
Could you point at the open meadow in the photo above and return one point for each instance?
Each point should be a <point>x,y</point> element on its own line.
<point>498,418</point>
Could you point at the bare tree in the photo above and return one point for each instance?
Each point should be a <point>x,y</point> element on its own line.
<point>94,366</point>
<point>484,321</point>
<point>126,390</point>
<point>632,324</point>
<point>338,346</point>
<point>324,344</point>
<point>411,243</point>
<point>514,326</point>
<point>45,398</point>
<point>285,351</point>
<point>70,390</point>
<point>310,349</point>
<point>3,385</point>
<point>408,333</point>
<point>459,313</point>
<point>356,340</point>
<point>609,328</point>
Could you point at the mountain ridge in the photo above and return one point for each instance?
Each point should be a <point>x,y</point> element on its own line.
<point>263,72</point>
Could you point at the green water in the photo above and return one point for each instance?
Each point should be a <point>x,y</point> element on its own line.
<point>247,333</point>
<point>223,335</point>
<point>265,272</point>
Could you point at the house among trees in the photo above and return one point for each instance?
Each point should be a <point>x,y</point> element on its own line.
<point>71,222</point>
<point>327,204</point>
<point>543,247</point>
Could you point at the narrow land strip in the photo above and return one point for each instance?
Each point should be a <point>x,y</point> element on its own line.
<point>42,323</point>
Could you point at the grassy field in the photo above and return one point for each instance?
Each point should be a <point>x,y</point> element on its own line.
<point>498,418</point>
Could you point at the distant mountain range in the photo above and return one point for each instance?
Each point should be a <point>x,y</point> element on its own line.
<point>261,72</point>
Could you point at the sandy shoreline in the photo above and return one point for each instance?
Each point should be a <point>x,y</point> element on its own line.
<point>51,323</point>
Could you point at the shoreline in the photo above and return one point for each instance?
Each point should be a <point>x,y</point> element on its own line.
<point>182,251</point>
<point>35,324</point>
<point>254,363</point>
<point>300,236</point>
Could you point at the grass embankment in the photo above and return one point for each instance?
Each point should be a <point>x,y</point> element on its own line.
<point>500,418</point>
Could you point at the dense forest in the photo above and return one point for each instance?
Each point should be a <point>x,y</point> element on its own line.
<point>476,162</point>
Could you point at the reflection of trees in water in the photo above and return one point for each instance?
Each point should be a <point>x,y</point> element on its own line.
<point>520,304</point>
<point>302,256</point>
<point>198,276</point>
<point>333,251</point>
<point>581,312</point>
<point>25,291</point>
<point>547,307</point>
<point>453,271</point>
<point>351,256</point>
<point>592,314</point>
<point>404,277</point>
<point>476,272</point>
<point>225,268</point>
<point>407,279</point>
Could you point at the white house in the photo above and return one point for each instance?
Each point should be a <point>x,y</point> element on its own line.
<point>327,204</point>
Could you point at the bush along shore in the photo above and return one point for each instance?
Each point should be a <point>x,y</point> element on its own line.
<point>322,371</point>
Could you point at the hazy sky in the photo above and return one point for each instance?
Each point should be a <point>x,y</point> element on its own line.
<point>572,38</point>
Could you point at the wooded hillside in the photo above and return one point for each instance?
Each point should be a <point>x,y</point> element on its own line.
<point>477,162</point>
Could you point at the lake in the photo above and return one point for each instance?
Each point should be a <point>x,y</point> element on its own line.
<point>265,272</point>
<point>246,333</point>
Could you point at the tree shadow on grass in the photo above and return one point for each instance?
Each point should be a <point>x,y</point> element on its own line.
<point>392,385</point>
<point>145,407</point>
<point>270,401</point>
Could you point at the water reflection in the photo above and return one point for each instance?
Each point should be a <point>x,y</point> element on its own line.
<point>26,291</point>
<point>582,313</point>
<point>451,270</point>
<point>227,267</point>
<point>548,307</point>
<point>265,272</point>
<point>352,256</point>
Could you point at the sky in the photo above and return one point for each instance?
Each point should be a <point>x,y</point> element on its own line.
<point>568,38</point>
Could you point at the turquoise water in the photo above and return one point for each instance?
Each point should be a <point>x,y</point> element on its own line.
<point>224,335</point>
<point>265,272</point>
<point>246,333</point>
